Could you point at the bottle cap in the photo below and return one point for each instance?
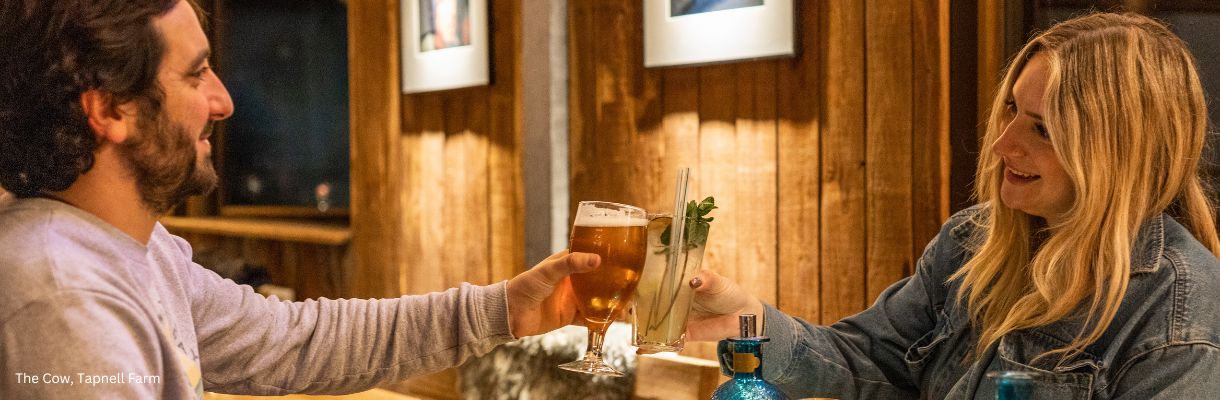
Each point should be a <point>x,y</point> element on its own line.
<point>749,325</point>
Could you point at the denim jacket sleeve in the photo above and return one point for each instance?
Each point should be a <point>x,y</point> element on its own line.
<point>1182,371</point>
<point>862,356</point>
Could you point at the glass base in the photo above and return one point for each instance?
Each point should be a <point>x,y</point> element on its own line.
<point>652,348</point>
<point>591,366</point>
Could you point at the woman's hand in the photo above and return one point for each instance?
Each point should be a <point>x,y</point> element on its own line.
<point>540,300</point>
<point>717,304</point>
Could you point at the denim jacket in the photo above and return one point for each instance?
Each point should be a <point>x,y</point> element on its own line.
<point>915,340</point>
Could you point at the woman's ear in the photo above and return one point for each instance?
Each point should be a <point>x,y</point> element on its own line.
<point>110,122</point>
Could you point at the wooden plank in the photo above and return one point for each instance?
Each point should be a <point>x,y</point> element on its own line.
<point>615,123</point>
<point>888,143</point>
<point>375,130</point>
<point>505,185</point>
<point>478,211</point>
<point>441,385</point>
<point>454,192</point>
<point>427,272</point>
<point>313,285</point>
<point>717,157</point>
<point>466,208</point>
<point>410,245</point>
<point>291,231</point>
<point>991,55</point>
<point>375,394</point>
<point>755,211</point>
<point>717,167</point>
<point>930,121</point>
<point>843,158</point>
<point>668,376</point>
<point>963,92</point>
<point>680,124</point>
<point>799,183</point>
<point>652,174</point>
<point>583,158</point>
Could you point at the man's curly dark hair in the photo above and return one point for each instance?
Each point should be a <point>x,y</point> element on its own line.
<point>52,51</point>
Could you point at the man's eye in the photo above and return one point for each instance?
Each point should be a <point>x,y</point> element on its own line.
<point>200,72</point>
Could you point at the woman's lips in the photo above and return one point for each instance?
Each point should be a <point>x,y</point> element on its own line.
<point>1016,176</point>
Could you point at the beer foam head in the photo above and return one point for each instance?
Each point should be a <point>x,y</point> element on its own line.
<point>609,220</point>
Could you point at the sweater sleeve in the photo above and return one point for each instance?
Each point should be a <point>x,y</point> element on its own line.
<point>78,345</point>
<point>250,344</point>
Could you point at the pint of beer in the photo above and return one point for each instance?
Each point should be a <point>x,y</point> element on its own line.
<point>617,233</point>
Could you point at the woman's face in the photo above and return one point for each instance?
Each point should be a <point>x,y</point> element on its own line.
<point>1034,180</point>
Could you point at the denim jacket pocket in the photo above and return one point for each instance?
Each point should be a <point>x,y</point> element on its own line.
<point>1074,380</point>
<point>1047,385</point>
<point>917,355</point>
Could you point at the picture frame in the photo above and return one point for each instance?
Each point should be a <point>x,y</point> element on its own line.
<point>695,32</point>
<point>444,44</point>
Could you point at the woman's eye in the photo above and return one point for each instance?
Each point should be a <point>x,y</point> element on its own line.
<point>1041,128</point>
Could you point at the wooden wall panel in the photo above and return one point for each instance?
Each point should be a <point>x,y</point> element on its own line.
<point>755,162</point>
<point>930,149</point>
<point>426,271</point>
<point>377,213</point>
<point>830,167</point>
<point>799,177</point>
<point>717,169</point>
<point>888,142</point>
<point>310,270</point>
<point>506,202</point>
<point>439,188</point>
<point>843,160</point>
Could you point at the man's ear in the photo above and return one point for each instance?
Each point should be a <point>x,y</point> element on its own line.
<point>110,122</point>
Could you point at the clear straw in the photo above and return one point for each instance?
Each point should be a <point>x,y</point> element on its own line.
<point>677,252</point>
<point>677,236</point>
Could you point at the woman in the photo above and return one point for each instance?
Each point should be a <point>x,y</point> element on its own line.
<point>1091,258</point>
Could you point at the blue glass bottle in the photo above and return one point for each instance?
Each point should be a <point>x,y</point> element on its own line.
<point>745,353</point>
<point>1012,385</point>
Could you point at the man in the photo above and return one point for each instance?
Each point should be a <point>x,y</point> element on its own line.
<point>105,114</point>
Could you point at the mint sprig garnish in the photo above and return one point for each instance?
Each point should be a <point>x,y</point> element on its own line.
<point>697,223</point>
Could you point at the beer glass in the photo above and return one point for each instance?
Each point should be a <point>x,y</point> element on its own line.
<point>617,233</point>
<point>663,297</point>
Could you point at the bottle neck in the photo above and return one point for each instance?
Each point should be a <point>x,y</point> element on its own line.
<point>747,359</point>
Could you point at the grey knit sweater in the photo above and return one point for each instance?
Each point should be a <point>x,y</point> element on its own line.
<point>88,312</point>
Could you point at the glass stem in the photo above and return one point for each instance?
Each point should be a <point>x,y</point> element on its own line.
<point>594,350</point>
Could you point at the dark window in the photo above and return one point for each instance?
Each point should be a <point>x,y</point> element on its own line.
<point>285,64</point>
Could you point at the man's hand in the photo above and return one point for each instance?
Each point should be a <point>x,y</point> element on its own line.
<point>540,300</point>
<point>717,304</point>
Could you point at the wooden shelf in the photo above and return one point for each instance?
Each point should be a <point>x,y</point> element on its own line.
<point>288,231</point>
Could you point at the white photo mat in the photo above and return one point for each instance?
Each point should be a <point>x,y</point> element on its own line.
<point>742,33</point>
<point>446,68</point>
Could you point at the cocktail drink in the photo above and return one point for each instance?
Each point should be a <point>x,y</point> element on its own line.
<point>663,297</point>
<point>617,233</point>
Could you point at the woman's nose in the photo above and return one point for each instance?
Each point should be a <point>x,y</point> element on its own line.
<point>1007,144</point>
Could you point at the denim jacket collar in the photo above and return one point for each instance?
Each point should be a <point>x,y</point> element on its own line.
<point>1149,246</point>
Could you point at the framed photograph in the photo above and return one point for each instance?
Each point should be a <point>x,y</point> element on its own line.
<point>444,44</point>
<point>686,32</point>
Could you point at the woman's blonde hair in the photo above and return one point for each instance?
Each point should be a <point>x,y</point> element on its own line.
<point>1126,116</point>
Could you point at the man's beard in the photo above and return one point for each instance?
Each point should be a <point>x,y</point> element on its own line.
<point>163,161</point>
